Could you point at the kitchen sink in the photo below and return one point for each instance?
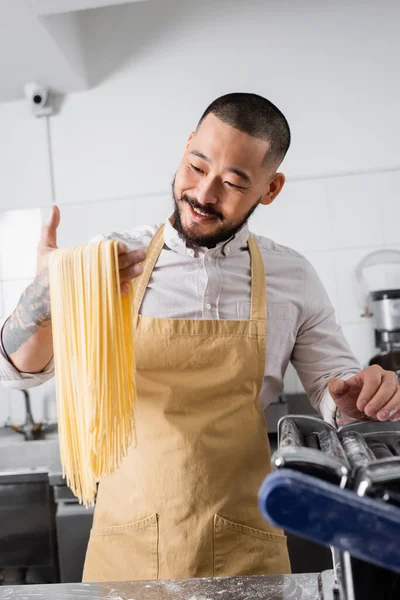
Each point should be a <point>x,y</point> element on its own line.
<point>19,455</point>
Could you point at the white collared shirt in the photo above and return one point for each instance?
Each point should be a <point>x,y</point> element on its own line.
<point>215,284</point>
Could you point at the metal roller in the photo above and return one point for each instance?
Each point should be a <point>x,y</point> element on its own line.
<point>395,445</point>
<point>356,449</point>
<point>290,436</point>
<point>311,441</point>
<point>330,444</point>
<point>380,449</point>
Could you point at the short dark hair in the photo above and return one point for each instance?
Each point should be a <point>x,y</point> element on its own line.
<point>257,117</point>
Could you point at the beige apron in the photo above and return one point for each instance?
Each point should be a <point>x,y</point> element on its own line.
<point>184,501</point>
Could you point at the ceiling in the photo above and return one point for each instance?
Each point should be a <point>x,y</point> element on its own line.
<point>44,41</point>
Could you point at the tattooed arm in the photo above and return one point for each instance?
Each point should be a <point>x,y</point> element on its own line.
<point>342,419</point>
<point>27,336</point>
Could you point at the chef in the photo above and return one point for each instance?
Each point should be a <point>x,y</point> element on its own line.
<point>219,313</point>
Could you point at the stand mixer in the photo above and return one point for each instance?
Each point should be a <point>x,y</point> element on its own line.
<point>383,307</point>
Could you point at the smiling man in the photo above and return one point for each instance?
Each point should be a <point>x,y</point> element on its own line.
<point>221,312</point>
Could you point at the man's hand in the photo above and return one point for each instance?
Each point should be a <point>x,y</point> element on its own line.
<point>48,239</point>
<point>371,394</point>
<point>129,262</point>
<point>129,265</point>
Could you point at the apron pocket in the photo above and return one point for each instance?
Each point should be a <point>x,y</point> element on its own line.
<point>123,552</point>
<point>242,550</point>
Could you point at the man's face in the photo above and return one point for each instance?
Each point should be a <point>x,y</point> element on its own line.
<point>219,183</point>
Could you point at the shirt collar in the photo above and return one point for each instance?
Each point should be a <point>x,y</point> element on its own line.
<point>227,248</point>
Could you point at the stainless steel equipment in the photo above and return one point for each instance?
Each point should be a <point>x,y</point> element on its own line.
<point>27,510</point>
<point>278,587</point>
<point>386,318</point>
<point>358,515</point>
<point>43,530</point>
<point>383,307</point>
<point>386,311</point>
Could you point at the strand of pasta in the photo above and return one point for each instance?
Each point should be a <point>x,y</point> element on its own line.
<point>94,363</point>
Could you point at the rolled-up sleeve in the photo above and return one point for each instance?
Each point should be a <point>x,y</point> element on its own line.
<point>10,377</point>
<point>321,350</point>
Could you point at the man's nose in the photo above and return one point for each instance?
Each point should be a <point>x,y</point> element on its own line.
<point>207,191</point>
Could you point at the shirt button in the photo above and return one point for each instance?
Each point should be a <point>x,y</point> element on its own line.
<point>228,249</point>
<point>209,258</point>
<point>208,306</point>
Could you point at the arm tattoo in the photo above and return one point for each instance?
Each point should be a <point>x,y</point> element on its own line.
<point>32,312</point>
<point>342,419</point>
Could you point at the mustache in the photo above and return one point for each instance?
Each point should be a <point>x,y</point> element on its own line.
<point>203,207</point>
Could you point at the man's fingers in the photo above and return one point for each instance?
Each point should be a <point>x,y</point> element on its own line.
<point>130,273</point>
<point>49,229</point>
<point>391,410</point>
<point>371,385</point>
<point>129,259</point>
<point>122,248</point>
<point>337,387</point>
<point>385,393</point>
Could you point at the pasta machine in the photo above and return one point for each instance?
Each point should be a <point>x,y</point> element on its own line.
<point>341,488</point>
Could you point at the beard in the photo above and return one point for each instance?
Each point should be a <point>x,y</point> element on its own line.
<point>223,229</point>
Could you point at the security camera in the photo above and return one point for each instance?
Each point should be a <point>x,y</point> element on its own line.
<point>38,96</point>
<point>36,93</point>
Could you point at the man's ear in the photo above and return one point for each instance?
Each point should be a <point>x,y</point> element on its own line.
<point>274,188</point>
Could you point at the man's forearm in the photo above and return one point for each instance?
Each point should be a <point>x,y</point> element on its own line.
<point>27,334</point>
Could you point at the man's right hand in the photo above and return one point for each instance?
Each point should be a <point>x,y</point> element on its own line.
<point>129,262</point>
<point>129,265</point>
<point>48,240</point>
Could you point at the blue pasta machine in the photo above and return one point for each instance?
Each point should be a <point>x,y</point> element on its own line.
<point>341,489</point>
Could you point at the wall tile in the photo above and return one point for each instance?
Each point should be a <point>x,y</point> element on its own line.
<point>19,237</point>
<point>10,294</point>
<point>390,203</point>
<point>360,337</point>
<point>81,222</point>
<point>152,210</point>
<point>392,270</point>
<point>298,217</point>
<point>355,210</point>
<point>24,181</point>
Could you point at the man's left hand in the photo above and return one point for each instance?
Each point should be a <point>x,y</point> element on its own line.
<point>371,394</point>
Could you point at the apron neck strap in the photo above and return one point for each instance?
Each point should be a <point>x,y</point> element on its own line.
<point>152,253</point>
<point>258,311</point>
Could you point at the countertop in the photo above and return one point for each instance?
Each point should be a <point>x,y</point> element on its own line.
<point>268,587</point>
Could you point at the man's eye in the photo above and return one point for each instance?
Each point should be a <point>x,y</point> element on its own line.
<point>196,169</point>
<point>237,187</point>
